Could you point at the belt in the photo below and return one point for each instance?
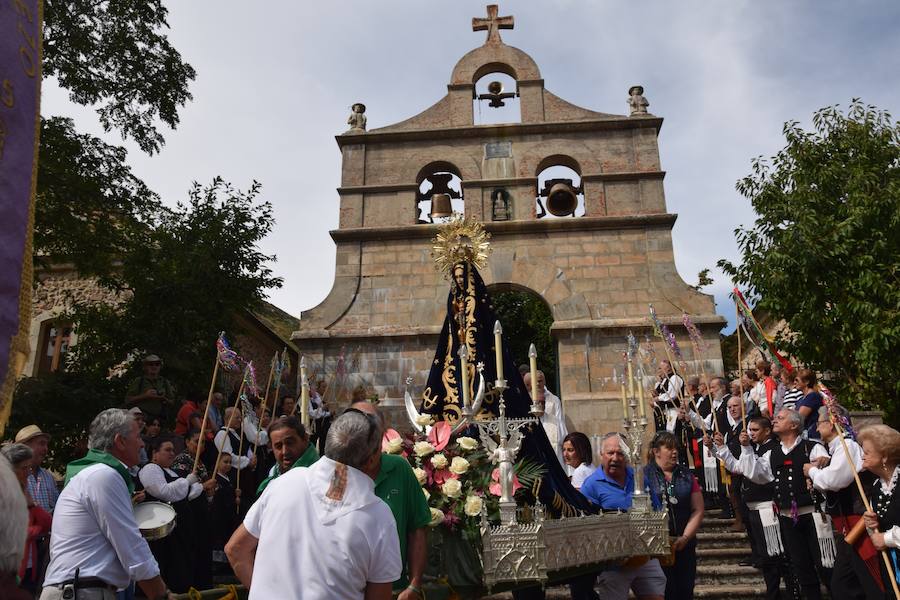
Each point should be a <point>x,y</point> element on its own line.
<point>86,583</point>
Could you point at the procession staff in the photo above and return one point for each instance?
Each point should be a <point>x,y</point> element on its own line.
<point>227,357</point>
<point>881,456</point>
<point>737,332</point>
<point>265,404</point>
<point>237,400</point>
<point>96,544</point>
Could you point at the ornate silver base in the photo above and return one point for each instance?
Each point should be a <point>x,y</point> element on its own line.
<point>527,552</point>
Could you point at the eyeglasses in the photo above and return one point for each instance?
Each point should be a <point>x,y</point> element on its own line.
<point>372,419</point>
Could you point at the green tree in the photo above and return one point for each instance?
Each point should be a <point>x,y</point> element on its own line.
<point>526,319</point>
<point>112,54</point>
<point>824,251</point>
<point>183,282</point>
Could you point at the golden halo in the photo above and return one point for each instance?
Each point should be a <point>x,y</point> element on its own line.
<point>460,240</point>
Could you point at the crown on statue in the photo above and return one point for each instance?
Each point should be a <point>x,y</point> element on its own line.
<point>460,240</point>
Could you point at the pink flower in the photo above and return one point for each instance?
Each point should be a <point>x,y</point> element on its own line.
<point>495,486</point>
<point>439,436</point>
<point>441,476</point>
<point>392,443</point>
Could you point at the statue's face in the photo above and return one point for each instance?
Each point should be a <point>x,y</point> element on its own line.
<point>459,277</point>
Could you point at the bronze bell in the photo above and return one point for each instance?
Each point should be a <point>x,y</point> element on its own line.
<point>562,199</point>
<point>440,206</point>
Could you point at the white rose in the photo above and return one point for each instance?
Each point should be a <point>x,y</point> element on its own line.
<point>459,465</point>
<point>427,494</point>
<point>394,445</point>
<point>421,476</point>
<point>439,461</point>
<point>423,449</point>
<point>473,505</point>
<point>467,443</point>
<point>423,420</point>
<point>437,517</point>
<point>452,488</point>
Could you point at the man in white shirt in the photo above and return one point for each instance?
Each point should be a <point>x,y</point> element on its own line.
<point>96,547</point>
<point>321,532</point>
<point>553,419</point>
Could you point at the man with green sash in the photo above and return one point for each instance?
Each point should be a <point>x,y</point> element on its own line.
<point>96,547</point>
<point>291,447</point>
<point>397,485</point>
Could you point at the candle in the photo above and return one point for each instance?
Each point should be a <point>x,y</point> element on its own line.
<point>464,374</point>
<point>624,403</point>
<point>532,362</point>
<point>304,393</point>
<point>630,381</point>
<point>498,348</point>
<point>641,398</point>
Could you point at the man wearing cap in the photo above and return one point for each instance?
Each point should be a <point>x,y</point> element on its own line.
<point>150,392</point>
<point>41,485</point>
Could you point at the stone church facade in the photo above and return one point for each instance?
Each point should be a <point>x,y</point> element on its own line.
<point>597,272</point>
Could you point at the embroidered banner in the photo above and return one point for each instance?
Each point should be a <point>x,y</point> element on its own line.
<point>20,84</point>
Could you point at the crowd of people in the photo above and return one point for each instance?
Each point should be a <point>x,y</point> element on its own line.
<point>292,513</point>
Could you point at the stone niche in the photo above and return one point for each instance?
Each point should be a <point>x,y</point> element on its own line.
<point>597,272</point>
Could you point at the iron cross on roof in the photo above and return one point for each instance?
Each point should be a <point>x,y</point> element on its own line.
<point>493,24</point>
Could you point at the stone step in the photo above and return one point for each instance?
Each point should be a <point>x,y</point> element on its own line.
<point>720,539</point>
<point>731,592</point>
<point>711,555</point>
<point>727,575</point>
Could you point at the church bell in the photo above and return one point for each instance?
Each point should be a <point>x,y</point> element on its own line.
<point>440,206</point>
<point>562,198</point>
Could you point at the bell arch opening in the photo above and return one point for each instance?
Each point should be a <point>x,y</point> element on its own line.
<point>560,193</point>
<point>441,178</point>
<point>526,318</point>
<point>496,98</point>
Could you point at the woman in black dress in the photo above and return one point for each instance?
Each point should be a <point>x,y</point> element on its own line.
<point>881,456</point>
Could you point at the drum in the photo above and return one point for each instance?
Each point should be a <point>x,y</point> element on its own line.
<point>156,520</point>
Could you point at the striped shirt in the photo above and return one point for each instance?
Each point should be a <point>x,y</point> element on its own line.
<point>791,397</point>
<point>42,488</point>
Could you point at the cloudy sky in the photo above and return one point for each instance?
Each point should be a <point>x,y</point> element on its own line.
<point>276,80</point>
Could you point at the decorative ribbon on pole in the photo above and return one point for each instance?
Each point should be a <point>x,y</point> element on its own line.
<point>228,359</point>
<point>668,337</point>
<point>737,332</point>
<point>248,382</point>
<point>768,342</point>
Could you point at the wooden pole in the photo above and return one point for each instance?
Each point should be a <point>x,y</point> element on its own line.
<point>865,499</point>
<point>265,404</point>
<point>737,332</point>
<point>236,403</point>
<point>237,485</point>
<point>212,387</point>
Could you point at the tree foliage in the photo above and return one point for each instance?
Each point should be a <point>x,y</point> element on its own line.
<point>112,54</point>
<point>90,205</point>
<point>824,251</point>
<point>183,283</point>
<point>526,319</point>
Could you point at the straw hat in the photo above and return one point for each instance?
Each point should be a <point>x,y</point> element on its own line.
<point>28,433</point>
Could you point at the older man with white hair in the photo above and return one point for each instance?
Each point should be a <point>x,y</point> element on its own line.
<point>13,530</point>
<point>611,487</point>
<point>96,547</point>
<point>783,464</point>
<point>321,532</point>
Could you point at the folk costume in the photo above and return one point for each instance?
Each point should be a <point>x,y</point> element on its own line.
<point>883,498</point>
<point>856,571</point>
<point>764,530</point>
<point>794,500</point>
<point>175,552</point>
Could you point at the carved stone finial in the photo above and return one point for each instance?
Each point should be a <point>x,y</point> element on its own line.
<point>357,118</point>
<point>493,24</point>
<point>636,100</point>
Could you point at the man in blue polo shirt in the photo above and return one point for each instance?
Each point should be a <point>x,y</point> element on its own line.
<point>611,487</point>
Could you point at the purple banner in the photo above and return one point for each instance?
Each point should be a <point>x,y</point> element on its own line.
<point>20,84</point>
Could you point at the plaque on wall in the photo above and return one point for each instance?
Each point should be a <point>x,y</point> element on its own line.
<point>498,150</point>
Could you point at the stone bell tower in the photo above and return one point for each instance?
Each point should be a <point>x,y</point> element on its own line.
<point>597,271</point>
